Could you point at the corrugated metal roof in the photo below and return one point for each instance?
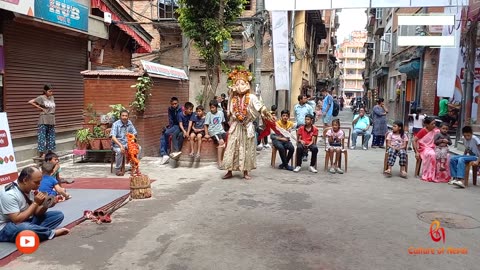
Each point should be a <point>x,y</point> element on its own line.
<point>113,72</point>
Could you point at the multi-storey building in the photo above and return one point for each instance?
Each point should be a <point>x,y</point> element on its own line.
<point>327,63</point>
<point>351,58</point>
<point>402,75</point>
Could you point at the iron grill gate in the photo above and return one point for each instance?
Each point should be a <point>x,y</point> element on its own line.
<point>34,57</point>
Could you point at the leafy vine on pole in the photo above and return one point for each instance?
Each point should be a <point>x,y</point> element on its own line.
<point>143,85</point>
<point>209,23</point>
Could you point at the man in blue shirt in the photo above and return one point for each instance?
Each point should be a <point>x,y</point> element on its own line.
<point>120,128</point>
<point>301,110</point>
<point>361,124</point>
<point>327,108</point>
<point>173,112</point>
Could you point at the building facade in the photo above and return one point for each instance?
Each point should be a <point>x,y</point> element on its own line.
<point>38,47</point>
<point>404,76</point>
<point>351,55</point>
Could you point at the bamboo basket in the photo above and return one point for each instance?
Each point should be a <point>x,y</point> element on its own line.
<point>140,187</point>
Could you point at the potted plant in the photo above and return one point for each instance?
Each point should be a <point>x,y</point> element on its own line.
<point>91,117</point>
<point>82,138</point>
<point>96,138</point>
<point>114,114</point>
<point>106,141</point>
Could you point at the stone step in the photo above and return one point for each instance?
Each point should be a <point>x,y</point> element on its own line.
<point>27,149</point>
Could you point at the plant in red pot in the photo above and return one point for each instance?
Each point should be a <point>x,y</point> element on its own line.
<point>96,141</point>
<point>82,138</point>
<point>107,141</point>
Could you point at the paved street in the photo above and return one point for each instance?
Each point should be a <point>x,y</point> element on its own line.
<point>279,220</point>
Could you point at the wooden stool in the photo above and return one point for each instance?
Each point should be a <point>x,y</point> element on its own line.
<point>467,173</point>
<point>274,157</point>
<point>122,169</point>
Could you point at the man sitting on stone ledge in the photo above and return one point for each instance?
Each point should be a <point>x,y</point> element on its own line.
<point>21,210</point>
<point>119,139</point>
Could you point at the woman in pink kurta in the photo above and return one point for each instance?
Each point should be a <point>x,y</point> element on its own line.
<point>425,149</point>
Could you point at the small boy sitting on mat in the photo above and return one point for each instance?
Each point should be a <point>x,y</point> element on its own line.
<point>50,185</point>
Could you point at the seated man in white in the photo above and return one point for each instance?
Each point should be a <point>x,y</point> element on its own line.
<point>361,124</point>
<point>120,128</point>
<point>21,210</point>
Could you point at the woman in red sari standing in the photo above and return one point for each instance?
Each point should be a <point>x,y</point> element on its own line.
<point>425,149</point>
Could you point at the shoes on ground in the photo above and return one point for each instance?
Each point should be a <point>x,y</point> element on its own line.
<point>288,168</point>
<point>297,169</point>
<point>459,183</point>
<point>452,181</point>
<point>267,146</point>
<point>67,181</point>
<point>364,148</point>
<point>312,169</point>
<point>175,155</point>
<point>339,171</point>
<point>352,147</point>
<point>165,160</point>
<point>332,170</point>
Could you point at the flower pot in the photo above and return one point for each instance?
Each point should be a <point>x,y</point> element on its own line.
<point>89,126</point>
<point>82,145</point>
<point>96,144</point>
<point>106,143</point>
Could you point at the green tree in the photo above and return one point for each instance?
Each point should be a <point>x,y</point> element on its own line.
<point>209,23</point>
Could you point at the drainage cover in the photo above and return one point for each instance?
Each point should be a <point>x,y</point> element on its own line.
<point>449,220</point>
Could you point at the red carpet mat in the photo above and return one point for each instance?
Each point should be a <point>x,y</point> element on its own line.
<point>99,183</point>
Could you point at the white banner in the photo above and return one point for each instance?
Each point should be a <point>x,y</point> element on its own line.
<point>288,5</point>
<point>8,165</point>
<point>281,54</point>
<point>447,69</point>
<point>25,7</point>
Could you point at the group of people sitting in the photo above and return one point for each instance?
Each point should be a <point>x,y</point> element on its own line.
<point>23,203</point>
<point>431,147</point>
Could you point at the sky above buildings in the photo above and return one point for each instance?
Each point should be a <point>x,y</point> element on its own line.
<point>350,20</point>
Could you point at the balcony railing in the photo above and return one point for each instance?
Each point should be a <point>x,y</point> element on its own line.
<point>356,66</point>
<point>353,77</point>
<point>353,55</point>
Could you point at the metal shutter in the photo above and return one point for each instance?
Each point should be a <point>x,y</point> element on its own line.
<point>34,57</point>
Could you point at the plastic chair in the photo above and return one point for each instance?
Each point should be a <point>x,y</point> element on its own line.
<point>385,159</point>
<point>344,150</point>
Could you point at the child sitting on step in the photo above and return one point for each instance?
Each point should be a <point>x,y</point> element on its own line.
<point>197,130</point>
<point>50,185</point>
<point>214,129</point>
<point>397,143</point>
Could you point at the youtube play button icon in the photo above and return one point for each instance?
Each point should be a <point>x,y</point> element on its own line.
<point>27,242</point>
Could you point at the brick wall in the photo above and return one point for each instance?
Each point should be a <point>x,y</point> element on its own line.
<point>144,11</point>
<point>105,91</point>
<point>113,55</point>
<point>429,83</point>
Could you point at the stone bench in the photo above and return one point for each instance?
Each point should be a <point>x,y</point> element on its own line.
<point>208,154</point>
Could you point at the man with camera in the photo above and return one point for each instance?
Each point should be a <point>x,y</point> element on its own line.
<point>21,209</point>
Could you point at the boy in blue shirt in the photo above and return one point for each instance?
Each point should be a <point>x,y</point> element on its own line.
<point>49,183</point>
<point>183,130</point>
<point>173,112</point>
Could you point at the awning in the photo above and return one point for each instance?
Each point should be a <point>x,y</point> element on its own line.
<point>144,45</point>
<point>379,72</point>
<point>411,68</point>
<point>162,71</point>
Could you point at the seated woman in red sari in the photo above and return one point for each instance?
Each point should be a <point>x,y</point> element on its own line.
<point>425,149</point>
